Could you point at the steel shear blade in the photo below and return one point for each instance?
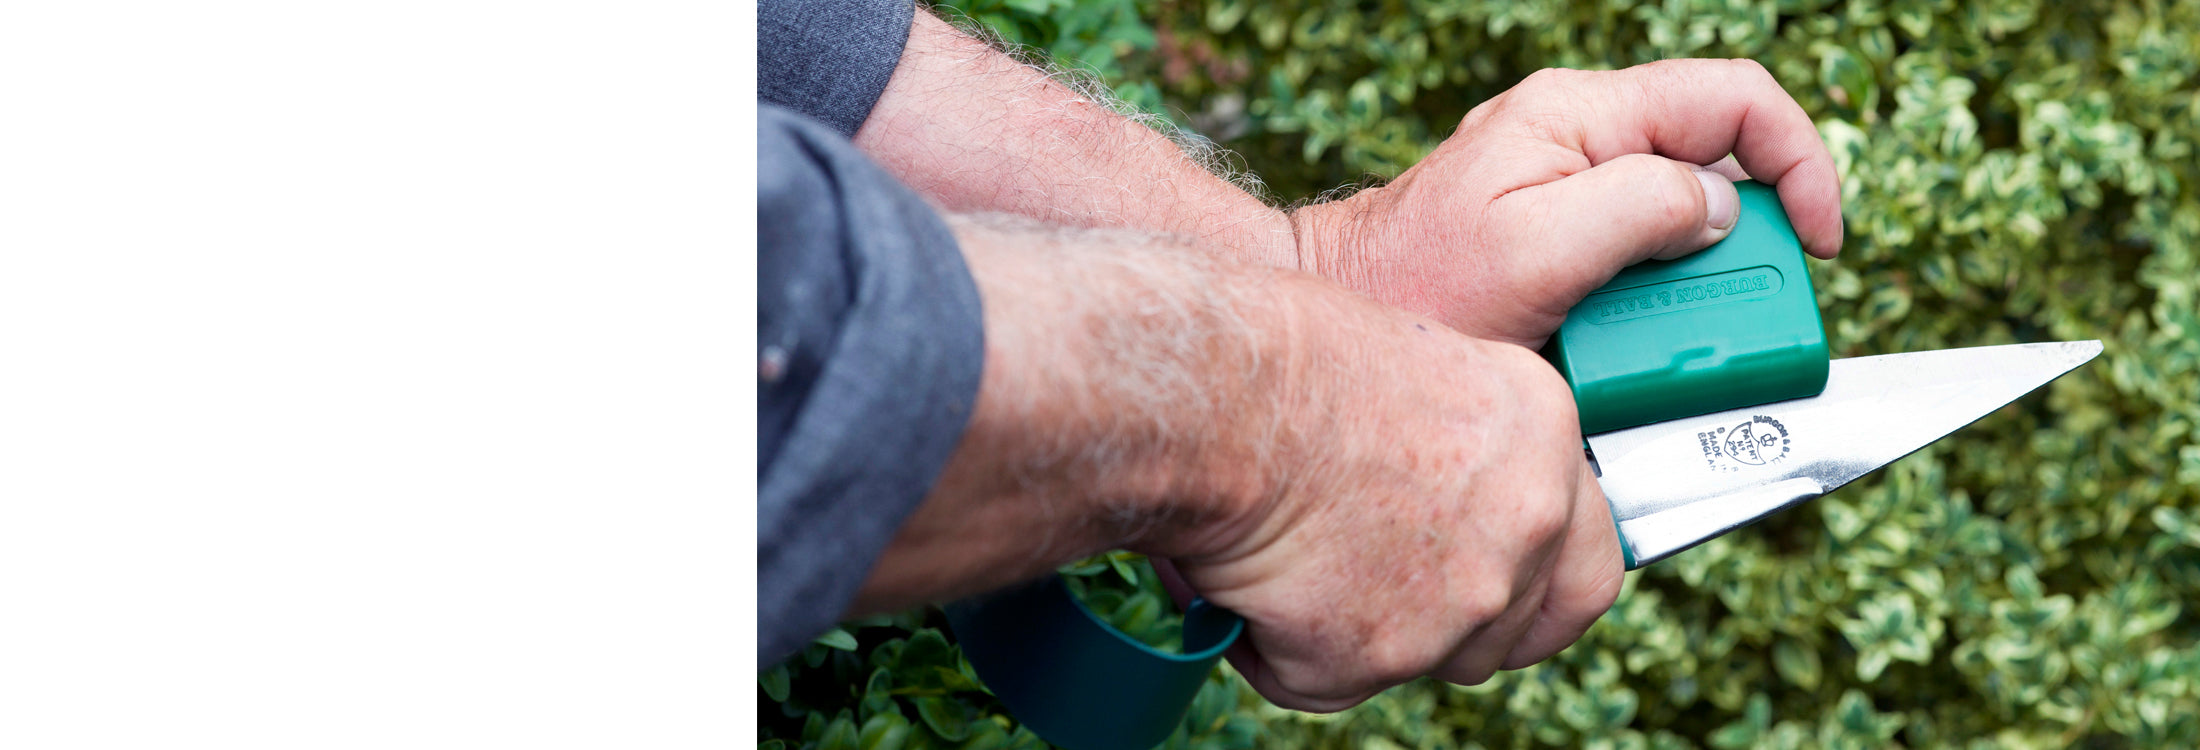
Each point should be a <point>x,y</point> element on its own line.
<point>1676,484</point>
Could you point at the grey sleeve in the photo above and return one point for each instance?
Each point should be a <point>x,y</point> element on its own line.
<point>829,59</point>
<point>870,346</point>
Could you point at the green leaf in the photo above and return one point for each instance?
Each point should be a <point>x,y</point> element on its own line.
<point>1847,80</point>
<point>1748,730</point>
<point>837,638</point>
<point>878,693</point>
<point>1123,569</point>
<point>948,717</point>
<point>926,648</point>
<point>841,734</point>
<point>1872,662</point>
<point>1796,664</point>
<point>884,732</point>
<point>987,735</point>
<point>776,682</point>
<point>814,726</point>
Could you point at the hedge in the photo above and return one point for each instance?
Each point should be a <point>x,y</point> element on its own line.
<point>2012,170</point>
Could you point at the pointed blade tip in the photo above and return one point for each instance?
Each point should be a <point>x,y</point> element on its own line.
<point>2080,352</point>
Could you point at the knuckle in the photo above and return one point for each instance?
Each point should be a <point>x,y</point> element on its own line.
<point>1659,74</point>
<point>1558,407</point>
<point>1541,78</point>
<point>1310,691</point>
<point>1482,113</point>
<point>1545,394</point>
<point>1314,705</point>
<point>1483,604</point>
<point>1548,125</point>
<point>1558,400</point>
<point>1540,383</point>
<point>1679,198</point>
<point>1467,677</point>
<point>1552,78</point>
<point>1547,521</point>
<point>1598,594</point>
<point>1754,71</point>
<point>1537,105</point>
<point>1527,373</point>
<point>1392,661</point>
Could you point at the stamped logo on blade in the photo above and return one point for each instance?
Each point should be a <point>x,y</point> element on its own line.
<point>1761,441</point>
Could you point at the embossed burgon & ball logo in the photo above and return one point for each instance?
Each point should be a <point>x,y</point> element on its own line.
<point>1761,441</point>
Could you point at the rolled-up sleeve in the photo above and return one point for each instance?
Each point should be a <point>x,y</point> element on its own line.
<point>829,59</point>
<point>870,349</point>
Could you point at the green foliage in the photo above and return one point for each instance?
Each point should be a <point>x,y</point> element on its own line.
<point>899,682</point>
<point>1113,587</point>
<point>2013,170</point>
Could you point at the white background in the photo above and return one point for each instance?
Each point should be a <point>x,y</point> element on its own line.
<point>371,374</point>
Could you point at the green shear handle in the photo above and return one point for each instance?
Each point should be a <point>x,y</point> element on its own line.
<point>1076,680</point>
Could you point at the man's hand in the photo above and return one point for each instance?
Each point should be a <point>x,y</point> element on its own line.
<point>1426,511</point>
<point>1379,496</point>
<point>1549,189</point>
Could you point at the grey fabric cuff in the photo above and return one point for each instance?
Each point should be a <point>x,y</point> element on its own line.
<point>872,345</point>
<point>829,59</point>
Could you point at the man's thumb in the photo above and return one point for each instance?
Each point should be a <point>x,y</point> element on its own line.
<point>1623,211</point>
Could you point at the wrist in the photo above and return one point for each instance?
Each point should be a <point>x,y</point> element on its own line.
<point>1325,235</point>
<point>1273,407</point>
<point>1222,480</point>
<point>1126,395</point>
<point>1269,239</point>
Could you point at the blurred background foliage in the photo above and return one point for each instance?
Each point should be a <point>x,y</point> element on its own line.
<point>2013,171</point>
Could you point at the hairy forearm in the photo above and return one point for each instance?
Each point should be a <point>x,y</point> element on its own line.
<point>1128,395</point>
<point>975,130</point>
